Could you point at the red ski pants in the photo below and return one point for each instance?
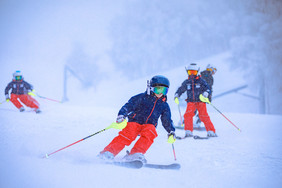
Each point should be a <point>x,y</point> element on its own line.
<point>25,99</point>
<point>147,134</point>
<point>203,115</point>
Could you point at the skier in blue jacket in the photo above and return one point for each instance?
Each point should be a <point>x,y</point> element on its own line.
<point>143,111</point>
<point>194,86</point>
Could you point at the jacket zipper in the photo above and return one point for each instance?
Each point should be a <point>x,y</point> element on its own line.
<point>151,111</point>
<point>193,89</point>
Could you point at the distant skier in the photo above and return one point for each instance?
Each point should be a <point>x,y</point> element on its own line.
<point>143,111</point>
<point>194,86</point>
<point>21,93</point>
<point>207,75</point>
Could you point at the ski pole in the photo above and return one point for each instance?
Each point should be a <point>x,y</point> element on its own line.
<point>48,98</point>
<point>226,117</point>
<point>2,102</point>
<point>203,99</point>
<point>113,125</point>
<point>176,100</point>
<point>180,115</point>
<point>173,152</point>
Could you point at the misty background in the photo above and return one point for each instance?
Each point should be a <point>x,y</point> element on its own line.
<point>112,42</point>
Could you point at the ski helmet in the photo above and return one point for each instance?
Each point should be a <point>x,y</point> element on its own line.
<point>159,84</point>
<point>17,75</point>
<point>211,68</point>
<point>192,69</point>
<point>159,81</point>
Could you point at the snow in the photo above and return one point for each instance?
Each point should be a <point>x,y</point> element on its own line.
<point>251,158</point>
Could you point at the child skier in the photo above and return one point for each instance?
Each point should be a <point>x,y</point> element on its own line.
<point>21,91</point>
<point>195,86</point>
<point>207,75</point>
<point>143,111</point>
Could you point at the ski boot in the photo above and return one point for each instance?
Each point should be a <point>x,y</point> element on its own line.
<point>135,157</point>
<point>211,134</point>
<point>106,155</point>
<point>188,133</point>
<point>37,111</point>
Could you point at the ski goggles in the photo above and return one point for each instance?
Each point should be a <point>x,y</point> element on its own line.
<point>213,70</point>
<point>160,89</point>
<point>18,77</point>
<point>192,72</point>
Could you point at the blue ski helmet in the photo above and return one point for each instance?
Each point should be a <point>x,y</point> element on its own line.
<point>159,81</point>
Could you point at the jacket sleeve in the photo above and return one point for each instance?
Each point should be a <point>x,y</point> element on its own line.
<point>166,119</point>
<point>205,86</point>
<point>28,86</point>
<point>7,89</point>
<point>181,89</point>
<point>129,107</point>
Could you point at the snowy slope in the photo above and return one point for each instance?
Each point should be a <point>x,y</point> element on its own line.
<point>251,158</point>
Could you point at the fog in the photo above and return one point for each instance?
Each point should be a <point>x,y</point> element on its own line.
<point>123,40</point>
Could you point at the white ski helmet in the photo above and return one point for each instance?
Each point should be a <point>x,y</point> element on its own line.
<point>211,68</point>
<point>192,67</point>
<point>17,75</point>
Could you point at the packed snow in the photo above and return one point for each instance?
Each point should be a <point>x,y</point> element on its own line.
<point>250,158</point>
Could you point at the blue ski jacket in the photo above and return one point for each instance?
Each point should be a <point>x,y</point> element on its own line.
<point>194,86</point>
<point>18,87</point>
<point>146,109</point>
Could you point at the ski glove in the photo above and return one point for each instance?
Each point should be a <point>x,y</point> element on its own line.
<point>7,98</point>
<point>176,100</point>
<point>204,99</point>
<point>120,118</point>
<point>171,137</point>
<point>119,126</point>
<point>31,93</point>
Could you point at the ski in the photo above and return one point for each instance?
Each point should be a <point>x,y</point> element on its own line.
<point>129,164</point>
<point>200,137</point>
<point>139,164</point>
<point>195,137</point>
<point>181,138</point>
<point>173,166</point>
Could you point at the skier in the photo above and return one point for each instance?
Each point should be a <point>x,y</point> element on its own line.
<point>21,92</point>
<point>207,75</point>
<point>195,86</point>
<point>143,111</point>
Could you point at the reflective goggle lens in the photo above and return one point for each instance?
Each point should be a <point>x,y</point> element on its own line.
<point>192,72</point>
<point>213,70</point>
<point>18,77</point>
<point>160,89</point>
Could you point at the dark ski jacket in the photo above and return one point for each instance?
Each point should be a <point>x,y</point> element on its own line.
<point>18,87</point>
<point>207,76</point>
<point>194,86</point>
<point>146,109</point>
